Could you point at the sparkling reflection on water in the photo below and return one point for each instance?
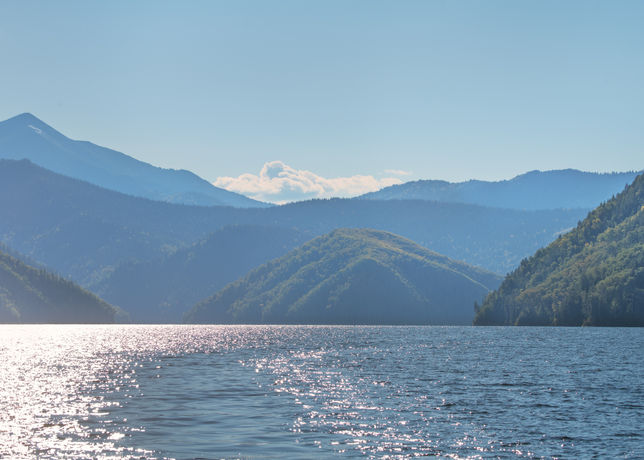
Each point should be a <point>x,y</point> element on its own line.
<point>299,392</point>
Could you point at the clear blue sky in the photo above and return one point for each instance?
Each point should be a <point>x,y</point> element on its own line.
<point>444,89</point>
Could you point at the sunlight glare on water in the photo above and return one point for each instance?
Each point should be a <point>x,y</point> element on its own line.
<point>299,392</point>
<point>60,384</point>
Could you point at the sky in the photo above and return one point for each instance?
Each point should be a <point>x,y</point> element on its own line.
<point>289,99</point>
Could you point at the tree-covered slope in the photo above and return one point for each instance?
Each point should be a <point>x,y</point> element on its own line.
<point>31,295</point>
<point>593,275</point>
<point>352,276</point>
<point>162,290</point>
<point>26,137</point>
<point>567,188</point>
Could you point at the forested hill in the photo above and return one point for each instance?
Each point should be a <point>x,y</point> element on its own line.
<point>31,295</point>
<point>567,188</point>
<point>352,276</point>
<point>593,275</point>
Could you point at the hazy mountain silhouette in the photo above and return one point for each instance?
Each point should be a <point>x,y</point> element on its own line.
<point>352,276</point>
<point>26,137</point>
<point>161,290</point>
<point>490,238</point>
<point>593,275</point>
<point>80,229</point>
<point>35,295</point>
<point>567,188</point>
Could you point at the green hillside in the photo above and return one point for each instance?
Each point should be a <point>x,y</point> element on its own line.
<point>31,295</point>
<point>352,276</point>
<point>593,275</point>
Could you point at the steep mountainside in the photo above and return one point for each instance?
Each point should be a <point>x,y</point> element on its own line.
<point>567,188</point>
<point>593,275</point>
<point>26,137</point>
<point>352,276</point>
<point>31,295</point>
<point>162,290</point>
<point>84,231</point>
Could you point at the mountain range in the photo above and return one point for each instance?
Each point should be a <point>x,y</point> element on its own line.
<point>535,190</point>
<point>26,137</point>
<point>352,276</point>
<point>83,231</point>
<point>156,256</point>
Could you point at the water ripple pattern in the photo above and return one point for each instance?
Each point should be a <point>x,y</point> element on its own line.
<point>303,392</point>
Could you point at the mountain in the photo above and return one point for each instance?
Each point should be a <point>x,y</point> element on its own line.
<point>161,290</point>
<point>26,137</point>
<point>492,238</point>
<point>352,276</point>
<point>33,295</point>
<point>85,232</point>
<point>79,229</point>
<point>593,275</point>
<point>534,190</point>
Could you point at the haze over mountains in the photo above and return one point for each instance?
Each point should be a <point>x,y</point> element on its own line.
<point>26,137</point>
<point>567,188</point>
<point>80,229</point>
<point>352,276</point>
<point>166,287</point>
<point>156,259</point>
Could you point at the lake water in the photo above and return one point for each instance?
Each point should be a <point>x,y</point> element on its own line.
<point>305,392</point>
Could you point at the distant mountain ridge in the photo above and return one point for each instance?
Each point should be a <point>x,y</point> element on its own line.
<point>35,295</point>
<point>83,231</point>
<point>352,276</point>
<point>534,190</point>
<point>26,137</point>
<point>593,275</point>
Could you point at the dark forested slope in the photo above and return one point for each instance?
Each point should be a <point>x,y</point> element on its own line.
<point>33,295</point>
<point>352,276</point>
<point>593,275</point>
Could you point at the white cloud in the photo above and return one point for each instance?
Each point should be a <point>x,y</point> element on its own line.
<point>277,182</point>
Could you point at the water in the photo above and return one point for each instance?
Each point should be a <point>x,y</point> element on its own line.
<point>303,392</point>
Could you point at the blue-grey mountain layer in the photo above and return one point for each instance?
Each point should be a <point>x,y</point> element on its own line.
<point>26,137</point>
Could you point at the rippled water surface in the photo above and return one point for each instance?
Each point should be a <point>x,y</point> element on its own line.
<point>303,392</point>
